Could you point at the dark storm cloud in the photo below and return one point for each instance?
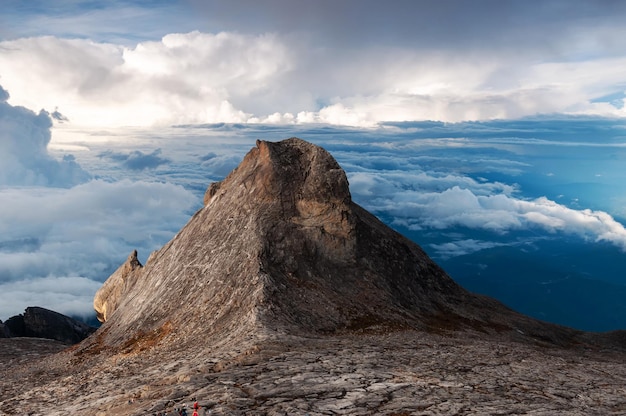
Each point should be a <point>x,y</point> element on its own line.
<point>429,23</point>
<point>421,23</point>
<point>24,244</point>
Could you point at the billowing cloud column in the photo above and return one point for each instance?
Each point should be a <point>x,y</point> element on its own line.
<point>24,158</point>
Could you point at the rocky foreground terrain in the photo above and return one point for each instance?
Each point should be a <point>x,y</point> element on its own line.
<point>400,373</point>
<point>283,297</point>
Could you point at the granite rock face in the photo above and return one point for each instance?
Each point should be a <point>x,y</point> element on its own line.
<point>399,373</point>
<point>116,287</point>
<point>282,296</point>
<point>39,322</point>
<point>281,246</point>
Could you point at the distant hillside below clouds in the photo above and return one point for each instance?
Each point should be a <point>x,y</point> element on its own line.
<point>38,322</point>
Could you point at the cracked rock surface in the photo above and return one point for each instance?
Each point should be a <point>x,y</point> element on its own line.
<point>399,373</point>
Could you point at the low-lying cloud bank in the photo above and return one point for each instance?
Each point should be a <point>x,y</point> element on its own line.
<point>421,201</point>
<point>62,234</point>
<point>80,235</point>
<point>69,295</point>
<point>137,160</point>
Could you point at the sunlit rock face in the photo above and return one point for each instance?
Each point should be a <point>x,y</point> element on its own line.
<point>283,296</point>
<point>108,297</point>
<point>279,245</point>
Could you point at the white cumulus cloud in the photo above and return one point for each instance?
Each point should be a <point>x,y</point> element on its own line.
<point>419,202</point>
<point>69,295</point>
<point>24,158</point>
<point>295,76</point>
<point>183,78</point>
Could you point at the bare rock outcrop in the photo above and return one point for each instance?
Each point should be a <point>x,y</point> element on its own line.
<point>116,287</point>
<point>281,246</point>
<point>283,296</point>
<point>37,322</point>
<point>4,331</point>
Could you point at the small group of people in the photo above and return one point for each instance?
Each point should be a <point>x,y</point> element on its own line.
<point>182,411</point>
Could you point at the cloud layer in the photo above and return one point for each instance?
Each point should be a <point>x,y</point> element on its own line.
<point>78,236</point>
<point>357,64</point>
<point>183,78</point>
<point>61,232</point>
<point>281,68</point>
<point>466,184</point>
<point>413,202</point>
<point>137,160</point>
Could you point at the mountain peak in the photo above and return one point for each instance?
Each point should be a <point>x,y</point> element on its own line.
<point>282,295</point>
<point>280,247</point>
<point>304,180</point>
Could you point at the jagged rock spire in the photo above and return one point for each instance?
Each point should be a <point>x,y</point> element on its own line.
<point>116,287</point>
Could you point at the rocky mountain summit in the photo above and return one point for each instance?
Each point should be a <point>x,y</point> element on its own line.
<point>283,296</point>
<point>37,322</point>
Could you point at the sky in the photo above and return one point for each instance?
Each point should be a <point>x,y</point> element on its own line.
<point>472,127</point>
<point>343,63</point>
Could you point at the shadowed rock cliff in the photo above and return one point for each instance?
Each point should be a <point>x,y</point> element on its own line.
<point>4,331</point>
<point>39,322</point>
